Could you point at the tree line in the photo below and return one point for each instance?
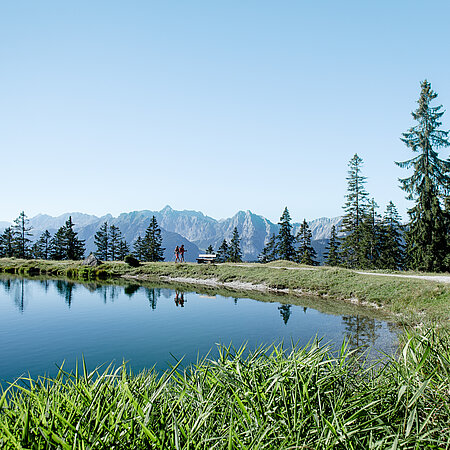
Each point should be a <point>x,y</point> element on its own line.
<point>64,245</point>
<point>367,240</point>
<point>16,241</point>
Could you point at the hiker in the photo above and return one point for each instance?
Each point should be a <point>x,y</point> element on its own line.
<point>182,250</point>
<point>177,254</point>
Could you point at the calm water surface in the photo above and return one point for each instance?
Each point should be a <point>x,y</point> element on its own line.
<point>44,322</point>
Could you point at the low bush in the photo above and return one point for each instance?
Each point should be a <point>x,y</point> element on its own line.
<point>131,261</point>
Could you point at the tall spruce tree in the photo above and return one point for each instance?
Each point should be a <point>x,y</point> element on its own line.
<point>58,245</point>
<point>21,233</point>
<point>65,244</point>
<point>427,234</point>
<point>270,251</point>
<point>305,252</point>
<point>286,239</point>
<point>43,246</point>
<point>124,250</point>
<point>391,241</point>
<point>74,246</point>
<point>370,237</point>
<point>7,243</point>
<point>152,242</point>
<point>223,254</point>
<point>234,250</point>
<point>101,240</point>
<point>115,239</point>
<point>355,209</point>
<point>138,249</point>
<point>332,254</point>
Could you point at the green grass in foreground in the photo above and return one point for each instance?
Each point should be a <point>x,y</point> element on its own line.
<point>308,398</point>
<point>413,300</point>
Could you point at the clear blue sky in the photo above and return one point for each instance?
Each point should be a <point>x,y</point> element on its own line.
<point>113,106</point>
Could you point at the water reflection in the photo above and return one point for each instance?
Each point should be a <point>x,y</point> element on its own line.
<point>360,331</point>
<point>16,288</point>
<point>65,290</point>
<point>285,311</point>
<point>153,294</point>
<point>131,289</point>
<point>179,298</point>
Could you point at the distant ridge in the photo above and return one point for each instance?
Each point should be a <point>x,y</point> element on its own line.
<point>192,228</point>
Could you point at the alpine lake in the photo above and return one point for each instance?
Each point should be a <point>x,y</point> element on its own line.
<point>46,323</point>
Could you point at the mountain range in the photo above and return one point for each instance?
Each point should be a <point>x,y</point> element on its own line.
<point>191,228</point>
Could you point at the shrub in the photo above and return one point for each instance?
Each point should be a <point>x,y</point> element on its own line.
<point>131,261</point>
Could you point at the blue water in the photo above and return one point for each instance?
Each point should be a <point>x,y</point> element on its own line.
<point>46,322</point>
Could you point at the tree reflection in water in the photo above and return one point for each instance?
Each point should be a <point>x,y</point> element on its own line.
<point>361,332</point>
<point>16,287</point>
<point>65,290</point>
<point>285,311</point>
<point>153,294</point>
<point>131,289</point>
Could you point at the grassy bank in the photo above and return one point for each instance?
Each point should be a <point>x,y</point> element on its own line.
<point>410,299</point>
<point>309,398</point>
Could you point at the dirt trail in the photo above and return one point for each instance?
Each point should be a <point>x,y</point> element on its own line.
<point>437,278</point>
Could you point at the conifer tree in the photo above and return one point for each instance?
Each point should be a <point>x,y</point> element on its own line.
<point>210,250</point>
<point>43,246</point>
<point>332,256</point>
<point>65,244</point>
<point>223,252</point>
<point>305,252</point>
<point>152,243</point>
<point>101,240</point>
<point>7,243</point>
<point>391,242</point>
<point>138,249</point>
<point>370,237</point>
<point>427,236</point>
<point>115,238</point>
<point>21,233</point>
<point>234,250</point>
<point>58,245</point>
<point>73,245</point>
<point>34,251</point>
<point>270,251</point>
<point>355,209</point>
<point>286,239</point>
<point>124,250</point>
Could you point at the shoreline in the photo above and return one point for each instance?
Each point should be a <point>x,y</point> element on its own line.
<point>246,286</point>
<point>407,298</point>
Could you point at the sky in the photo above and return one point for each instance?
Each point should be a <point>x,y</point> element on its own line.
<point>112,106</point>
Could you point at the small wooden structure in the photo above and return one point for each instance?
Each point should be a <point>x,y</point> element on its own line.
<point>206,258</point>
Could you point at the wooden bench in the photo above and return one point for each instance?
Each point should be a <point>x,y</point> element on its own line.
<point>206,258</point>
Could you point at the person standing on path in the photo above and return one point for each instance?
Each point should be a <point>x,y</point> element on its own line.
<point>177,254</point>
<point>182,250</point>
